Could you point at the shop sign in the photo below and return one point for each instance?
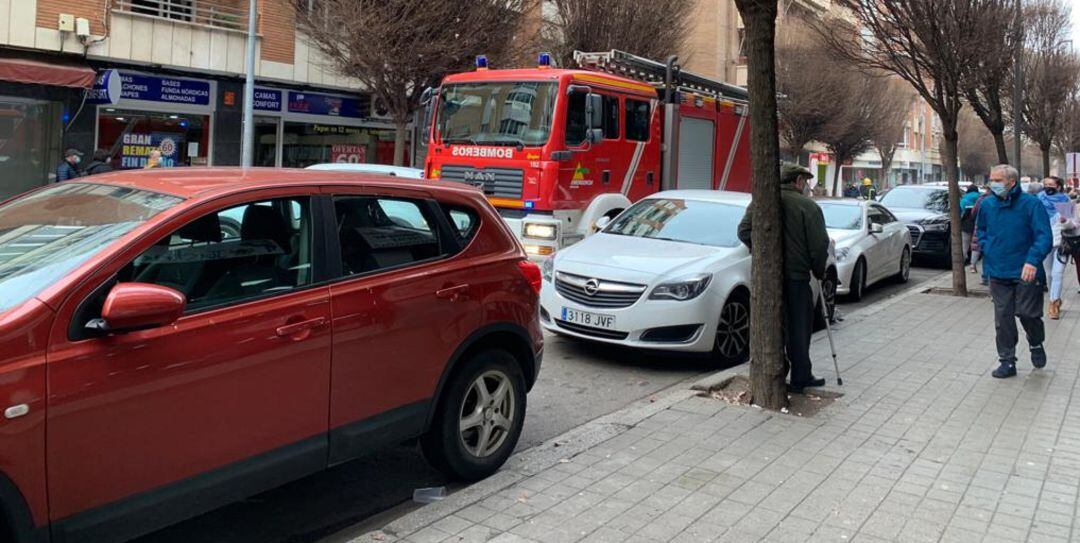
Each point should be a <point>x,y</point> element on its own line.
<point>137,146</point>
<point>324,104</point>
<point>332,130</point>
<point>267,99</point>
<point>107,88</point>
<point>150,88</point>
<point>347,153</point>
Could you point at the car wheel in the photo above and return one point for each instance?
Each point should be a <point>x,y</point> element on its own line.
<point>905,266</point>
<point>731,345</point>
<point>858,281</point>
<point>479,417</point>
<point>230,229</point>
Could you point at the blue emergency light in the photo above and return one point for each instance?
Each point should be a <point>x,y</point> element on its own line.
<point>529,204</point>
<point>544,60</point>
<point>481,62</point>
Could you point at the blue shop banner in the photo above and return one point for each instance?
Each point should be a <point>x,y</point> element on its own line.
<point>268,99</point>
<point>151,88</point>
<point>324,104</point>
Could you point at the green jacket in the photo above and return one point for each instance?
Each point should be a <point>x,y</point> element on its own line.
<point>806,243</point>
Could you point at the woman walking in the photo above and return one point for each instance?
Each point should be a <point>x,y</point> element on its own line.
<point>1062,213</point>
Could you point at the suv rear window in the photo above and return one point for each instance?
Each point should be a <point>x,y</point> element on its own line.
<point>379,233</point>
<point>464,223</point>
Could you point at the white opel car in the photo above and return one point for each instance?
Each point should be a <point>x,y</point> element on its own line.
<point>393,171</point>
<point>871,244</point>
<point>668,273</point>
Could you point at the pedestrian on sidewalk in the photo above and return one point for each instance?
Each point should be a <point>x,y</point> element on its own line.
<point>967,218</point>
<point>1051,197</point>
<point>1015,237</point>
<point>976,250</point>
<point>69,167</point>
<point>806,253</point>
<point>154,160</point>
<point>100,163</point>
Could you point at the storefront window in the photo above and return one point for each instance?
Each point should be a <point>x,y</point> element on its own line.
<point>29,144</point>
<point>130,136</point>
<point>305,144</point>
<point>266,141</point>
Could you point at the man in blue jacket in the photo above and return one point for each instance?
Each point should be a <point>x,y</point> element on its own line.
<point>1014,233</point>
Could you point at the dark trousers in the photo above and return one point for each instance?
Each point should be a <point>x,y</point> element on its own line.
<point>798,327</point>
<point>1013,300</point>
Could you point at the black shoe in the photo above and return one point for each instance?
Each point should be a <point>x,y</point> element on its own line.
<point>797,388</point>
<point>1038,357</point>
<point>1005,370</point>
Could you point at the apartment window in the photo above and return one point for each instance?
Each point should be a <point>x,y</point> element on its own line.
<point>216,13</point>
<point>181,10</point>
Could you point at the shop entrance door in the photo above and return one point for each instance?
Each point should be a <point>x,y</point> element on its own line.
<point>29,144</point>
<point>266,142</point>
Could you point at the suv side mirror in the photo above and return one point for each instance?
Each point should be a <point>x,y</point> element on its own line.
<point>876,228</point>
<point>137,306</point>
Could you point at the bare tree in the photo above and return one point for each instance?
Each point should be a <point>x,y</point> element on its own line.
<point>887,130</point>
<point>1052,72</point>
<point>989,83</point>
<point>397,48</point>
<point>977,147</point>
<point>931,44</point>
<point>768,367</point>
<point>643,27</point>
<point>808,91</point>
<point>1068,136</point>
<point>847,134</point>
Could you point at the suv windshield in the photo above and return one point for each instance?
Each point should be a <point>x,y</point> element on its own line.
<point>46,234</point>
<point>841,216</point>
<point>510,113</point>
<point>690,221</point>
<point>935,199</point>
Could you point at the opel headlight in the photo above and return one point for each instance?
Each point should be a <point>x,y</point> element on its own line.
<point>842,253</point>
<point>682,290</point>
<point>547,268</point>
<point>541,230</point>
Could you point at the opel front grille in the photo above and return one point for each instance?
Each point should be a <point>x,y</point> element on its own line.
<point>594,292</point>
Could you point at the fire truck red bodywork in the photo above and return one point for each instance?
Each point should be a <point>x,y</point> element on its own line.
<point>573,186</point>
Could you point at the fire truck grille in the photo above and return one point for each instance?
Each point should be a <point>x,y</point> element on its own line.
<point>497,182</point>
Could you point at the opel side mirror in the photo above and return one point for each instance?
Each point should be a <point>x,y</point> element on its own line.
<point>876,228</point>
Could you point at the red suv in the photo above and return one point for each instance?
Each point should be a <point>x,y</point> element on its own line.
<point>172,340</point>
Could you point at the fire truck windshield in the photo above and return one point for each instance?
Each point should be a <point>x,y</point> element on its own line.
<point>517,113</point>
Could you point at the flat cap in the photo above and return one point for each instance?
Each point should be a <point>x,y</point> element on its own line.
<point>789,171</point>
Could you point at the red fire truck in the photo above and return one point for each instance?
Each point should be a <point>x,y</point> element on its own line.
<point>562,151</point>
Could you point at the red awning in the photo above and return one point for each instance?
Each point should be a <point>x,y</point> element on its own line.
<point>46,73</point>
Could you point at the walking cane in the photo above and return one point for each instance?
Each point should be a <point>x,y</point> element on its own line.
<point>828,330</point>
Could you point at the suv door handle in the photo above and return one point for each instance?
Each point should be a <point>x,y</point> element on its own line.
<point>298,327</point>
<point>452,293</point>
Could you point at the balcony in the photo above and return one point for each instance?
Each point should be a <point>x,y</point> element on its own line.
<point>220,14</point>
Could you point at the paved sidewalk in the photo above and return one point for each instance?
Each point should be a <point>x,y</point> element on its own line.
<point>923,446</point>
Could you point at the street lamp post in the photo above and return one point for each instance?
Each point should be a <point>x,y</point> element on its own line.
<point>247,142</point>
<point>1017,90</point>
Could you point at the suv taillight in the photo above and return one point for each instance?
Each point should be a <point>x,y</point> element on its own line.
<point>532,274</point>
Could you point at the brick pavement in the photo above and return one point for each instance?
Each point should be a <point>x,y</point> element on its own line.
<point>923,446</point>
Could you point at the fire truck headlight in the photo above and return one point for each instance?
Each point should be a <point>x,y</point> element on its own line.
<point>539,230</point>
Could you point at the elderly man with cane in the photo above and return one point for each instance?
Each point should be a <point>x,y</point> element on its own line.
<point>806,254</point>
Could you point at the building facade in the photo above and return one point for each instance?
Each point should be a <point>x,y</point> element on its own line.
<point>130,76</point>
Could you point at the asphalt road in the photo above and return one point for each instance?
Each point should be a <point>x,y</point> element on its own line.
<point>578,383</point>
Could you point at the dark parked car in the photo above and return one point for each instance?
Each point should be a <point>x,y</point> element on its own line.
<point>925,211</point>
<point>157,364</point>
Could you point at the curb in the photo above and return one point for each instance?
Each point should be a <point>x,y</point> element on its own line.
<point>531,461</point>
<point>526,463</point>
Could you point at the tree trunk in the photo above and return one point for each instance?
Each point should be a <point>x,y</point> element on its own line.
<point>768,367</point>
<point>999,143</point>
<point>886,169</point>
<point>1045,160</point>
<point>401,130</point>
<point>836,177</point>
<point>952,175</point>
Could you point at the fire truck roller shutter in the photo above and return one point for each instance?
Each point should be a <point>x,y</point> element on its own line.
<point>603,204</point>
<point>696,148</point>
